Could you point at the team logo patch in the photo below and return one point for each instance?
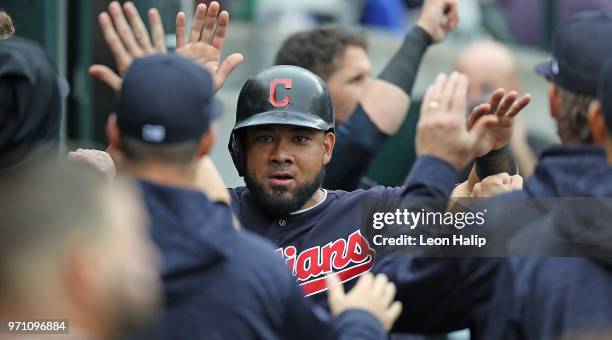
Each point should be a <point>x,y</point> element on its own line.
<point>348,258</point>
<point>274,100</point>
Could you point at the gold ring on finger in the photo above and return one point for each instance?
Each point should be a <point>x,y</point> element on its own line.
<point>433,104</point>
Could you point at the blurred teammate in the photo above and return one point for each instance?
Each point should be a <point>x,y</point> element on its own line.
<point>75,248</point>
<point>30,104</point>
<point>545,297</point>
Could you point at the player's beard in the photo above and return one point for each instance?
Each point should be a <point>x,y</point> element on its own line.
<point>280,202</point>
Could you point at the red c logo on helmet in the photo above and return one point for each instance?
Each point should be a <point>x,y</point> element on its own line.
<point>287,83</point>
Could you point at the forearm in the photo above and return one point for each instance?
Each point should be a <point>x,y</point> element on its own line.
<point>404,65</point>
<point>395,83</point>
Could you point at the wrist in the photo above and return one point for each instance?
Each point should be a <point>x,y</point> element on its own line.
<point>425,29</point>
<point>496,161</point>
<point>501,150</point>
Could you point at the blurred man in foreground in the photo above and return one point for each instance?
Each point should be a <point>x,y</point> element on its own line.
<point>75,248</point>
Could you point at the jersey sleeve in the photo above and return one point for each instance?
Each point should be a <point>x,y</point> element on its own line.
<point>357,143</point>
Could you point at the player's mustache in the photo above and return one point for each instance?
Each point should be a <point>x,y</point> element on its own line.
<point>282,169</point>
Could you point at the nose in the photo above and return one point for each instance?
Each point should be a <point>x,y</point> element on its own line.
<point>281,153</point>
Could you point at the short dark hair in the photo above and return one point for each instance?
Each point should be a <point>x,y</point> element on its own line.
<point>6,25</point>
<point>317,49</point>
<point>572,121</point>
<point>175,153</point>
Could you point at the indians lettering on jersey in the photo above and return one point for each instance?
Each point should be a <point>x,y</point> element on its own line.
<point>348,258</point>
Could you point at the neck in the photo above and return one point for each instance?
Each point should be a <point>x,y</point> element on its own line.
<point>166,174</point>
<point>315,199</point>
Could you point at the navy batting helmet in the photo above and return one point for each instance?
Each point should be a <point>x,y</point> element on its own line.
<point>281,95</point>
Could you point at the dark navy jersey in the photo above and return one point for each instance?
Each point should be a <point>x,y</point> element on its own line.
<point>326,238</point>
<point>221,283</point>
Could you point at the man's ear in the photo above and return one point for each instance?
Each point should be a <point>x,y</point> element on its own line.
<point>112,132</point>
<point>597,122</point>
<point>554,100</point>
<point>207,141</point>
<point>329,140</point>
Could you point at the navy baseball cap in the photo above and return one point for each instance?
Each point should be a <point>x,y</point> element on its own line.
<point>166,99</point>
<point>581,46</point>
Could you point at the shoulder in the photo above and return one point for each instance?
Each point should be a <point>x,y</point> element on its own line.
<point>373,192</point>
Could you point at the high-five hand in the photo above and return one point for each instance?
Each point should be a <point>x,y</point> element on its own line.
<point>127,40</point>
<point>374,294</point>
<point>506,106</point>
<point>206,39</point>
<point>442,130</point>
<point>127,37</point>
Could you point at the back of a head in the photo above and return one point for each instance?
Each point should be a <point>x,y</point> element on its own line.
<point>30,103</point>
<point>165,107</point>
<point>6,25</point>
<point>317,49</point>
<point>581,46</point>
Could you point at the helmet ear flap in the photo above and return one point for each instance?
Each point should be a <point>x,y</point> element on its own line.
<point>237,152</point>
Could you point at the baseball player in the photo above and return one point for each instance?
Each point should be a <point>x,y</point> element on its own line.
<point>282,139</point>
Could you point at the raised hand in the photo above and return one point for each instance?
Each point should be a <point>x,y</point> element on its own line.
<point>505,105</point>
<point>442,129</point>
<point>373,294</point>
<point>439,17</point>
<point>205,42</point>
<point>127,37</point>
<point>127,40</point>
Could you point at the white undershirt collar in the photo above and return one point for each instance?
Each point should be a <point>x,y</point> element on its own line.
<point>314,206</point>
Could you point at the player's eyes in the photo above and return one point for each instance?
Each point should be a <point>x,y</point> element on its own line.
<point>300,139</point>
<point>263,139</point>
